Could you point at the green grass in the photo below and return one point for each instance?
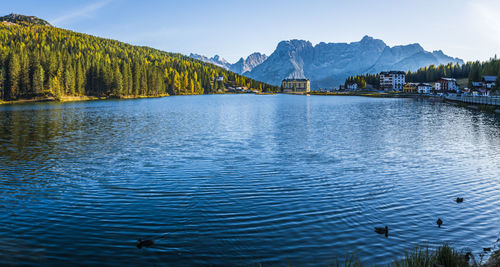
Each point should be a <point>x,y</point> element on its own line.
<point>418,257</point>
<point>445,256</point>
<point>350,261</point>
<point>462,83</point>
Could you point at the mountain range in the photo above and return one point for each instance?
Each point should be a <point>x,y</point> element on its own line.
<point>329,64</point>
<point>240,67</point>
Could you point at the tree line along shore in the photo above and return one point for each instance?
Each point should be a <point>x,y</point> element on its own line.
<point>468,73</point>
<point>44,63</point>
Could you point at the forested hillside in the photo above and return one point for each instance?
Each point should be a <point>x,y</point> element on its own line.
<point>43,61</point>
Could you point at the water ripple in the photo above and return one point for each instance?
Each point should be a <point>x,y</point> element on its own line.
<point>242,180</point>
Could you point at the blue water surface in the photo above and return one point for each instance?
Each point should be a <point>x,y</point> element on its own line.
<point>244,180</point>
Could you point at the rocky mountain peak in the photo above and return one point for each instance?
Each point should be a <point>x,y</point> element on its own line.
<point>24,20</point>
<point>329,64</point>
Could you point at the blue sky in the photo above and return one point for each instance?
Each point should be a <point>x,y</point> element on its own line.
<point>469,29</point>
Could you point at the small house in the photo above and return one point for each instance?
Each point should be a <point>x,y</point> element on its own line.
<point>352,87</point>
<point>489,82</point>
<point>410,88</point>
<point>424,88</point>
<point>445,85</point>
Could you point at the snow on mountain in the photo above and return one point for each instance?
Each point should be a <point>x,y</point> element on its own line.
<point>216,60</point>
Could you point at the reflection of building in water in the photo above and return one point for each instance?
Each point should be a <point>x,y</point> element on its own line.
<point>295,85</point>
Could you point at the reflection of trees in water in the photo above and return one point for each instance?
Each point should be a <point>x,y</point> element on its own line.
<point>35,142</point>
<point>26,134</point>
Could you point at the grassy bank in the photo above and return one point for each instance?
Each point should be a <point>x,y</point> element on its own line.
<point>443,256</point>
<point>64,99</point>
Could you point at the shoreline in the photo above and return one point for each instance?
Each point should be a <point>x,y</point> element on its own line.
<point>473,106</point>
<point>67,99</point>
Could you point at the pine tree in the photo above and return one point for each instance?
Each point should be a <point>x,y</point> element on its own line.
<point>498,82</point>
<point>14,75</point>
<point>143,83</point>
<point>80,80</point>
<point>125,75</point>
<point>37,60</point>
<point>25,82</point>
<point>191,87</point>
<point>117,83</point>
<point>69,81</point>
<point>177,83</point>
<point>38,79</point>
<point>55,87</point>
<point>475,73</point>
<point>185,83</point>
<point>2,79</point>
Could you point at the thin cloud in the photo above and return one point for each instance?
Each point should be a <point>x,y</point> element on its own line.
<point>80,13</point>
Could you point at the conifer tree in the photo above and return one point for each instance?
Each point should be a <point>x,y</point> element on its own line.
<point>176,83</point>
<point>117,87</point>
<point>498,82</point>
<point>69,81</point>
<point>2,79</point>
<point>55,87</point>
<point>80,80</point>
<point>14,75</point>
<point>38,79</point>
<point>47,60</point>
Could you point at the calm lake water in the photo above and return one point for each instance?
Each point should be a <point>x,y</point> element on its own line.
<point>243,179</point>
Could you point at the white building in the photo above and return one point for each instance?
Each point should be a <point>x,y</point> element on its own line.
<point>445,85</point>
<point>489,82</point>
<point>352,87</point>
<point>424,88</point>
<point>392,80</point>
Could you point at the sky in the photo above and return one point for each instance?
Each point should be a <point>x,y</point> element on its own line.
<point>468,29</point>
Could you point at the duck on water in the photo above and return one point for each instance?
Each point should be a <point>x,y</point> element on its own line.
<point>382,230</point>
<point>144,243</point>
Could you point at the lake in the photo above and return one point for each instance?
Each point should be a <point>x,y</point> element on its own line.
<point>244,179</point>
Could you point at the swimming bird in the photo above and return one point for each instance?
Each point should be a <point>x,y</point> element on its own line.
<point>439,222</point>
<point>382,230</point>
<point>486,249</point>
<point>460,199</point>
<point>144,243</point>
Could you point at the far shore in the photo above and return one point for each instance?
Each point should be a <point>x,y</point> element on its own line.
<point>65,99</point>
<point>373,94</point>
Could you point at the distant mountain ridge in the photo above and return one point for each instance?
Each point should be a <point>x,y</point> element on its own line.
<point>240,67</point>
<point>329,64</point>
<point>248,64</point>
<point>24,20</point>
<point>216,60</point>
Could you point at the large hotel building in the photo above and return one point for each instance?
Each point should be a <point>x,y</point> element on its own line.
<point>295,85</point>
